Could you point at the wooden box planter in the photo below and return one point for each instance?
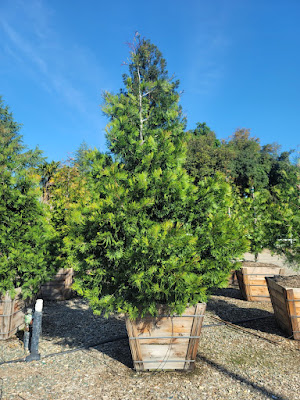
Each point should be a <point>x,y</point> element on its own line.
<point>286,304</point>
<point>166,342</point>
<point>11,314</point>
<point>252,282</point>
<point>59,288</point>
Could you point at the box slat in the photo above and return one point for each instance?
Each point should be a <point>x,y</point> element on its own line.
<point>252,281</point>
<point>286,309</point>
<point>59,288</point>
<point>11,314</point>
<point>166,342</point>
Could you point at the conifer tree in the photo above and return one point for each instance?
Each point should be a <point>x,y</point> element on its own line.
<point>24,231</point>
<point>150,236</point>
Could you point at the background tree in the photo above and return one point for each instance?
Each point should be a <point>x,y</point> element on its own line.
<point>205,153</point>
<point>67,192</point>
<point>24,230</point>
<point>246,167</point>
<point>47,171</point>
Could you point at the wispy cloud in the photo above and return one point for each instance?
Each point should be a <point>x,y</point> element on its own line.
<point>208,51</point>
<point>45,56</point>
<point>207,68</point>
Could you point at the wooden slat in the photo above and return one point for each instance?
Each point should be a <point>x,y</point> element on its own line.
<point>11,316</point>
<point>279,302</point>
<point>165,342</point>
<point>284,314</point>
<point>257,270</point>
<point>195,331</point>
<point>7,309</point>
<point>252,282</point>
<point>291,296</point>
<point>161,355</point>
<point>134,344</point>
<point>241,283</point>
<point>59,288</point>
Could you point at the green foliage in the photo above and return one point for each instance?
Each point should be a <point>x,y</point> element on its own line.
<point>146,123</point>
<point>284,222</point>
<point>246,167</point>
<point>24,231</point>
<point>68,191</point>
<point>47,171</point>
<point>205,154</point>
<point>149,236</point>
<point>255,211</point>
<point>271,217</point>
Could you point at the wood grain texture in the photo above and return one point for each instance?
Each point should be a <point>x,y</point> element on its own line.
<point>252,282</point>
<point>59,288</point>
<point>164,342</point>
<point>11,314</point>
<point>293,297</point>
<point>286,305</point>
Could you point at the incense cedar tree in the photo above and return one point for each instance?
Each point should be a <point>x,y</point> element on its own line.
<point>150,236</point>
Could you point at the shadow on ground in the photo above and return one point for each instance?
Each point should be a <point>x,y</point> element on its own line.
<point>72,324</point>
<point>226,372</point>
<point>251,317</point>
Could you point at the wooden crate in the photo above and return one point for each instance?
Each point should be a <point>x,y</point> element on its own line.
<point>286,305</point>
<point>59,288</point>
<point>166,342</point>
<point>11,314</point>
<point>252,281</point>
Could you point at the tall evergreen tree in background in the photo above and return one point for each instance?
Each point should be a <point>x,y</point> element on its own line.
<point>205,154</point>
<point>265,179</point>
<point>24,230</point>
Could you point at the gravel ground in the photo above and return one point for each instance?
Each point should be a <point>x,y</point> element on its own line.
<point>248,360</point>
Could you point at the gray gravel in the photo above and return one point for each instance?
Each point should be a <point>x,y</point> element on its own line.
<point>251,360</point>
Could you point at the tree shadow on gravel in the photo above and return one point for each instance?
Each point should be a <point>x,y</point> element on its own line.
<point>253,318</point>
<point>232,292</point>
<point>72,324</point>
<point>258,388</point>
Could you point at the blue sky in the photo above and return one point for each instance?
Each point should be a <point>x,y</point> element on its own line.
<point>238,62</point>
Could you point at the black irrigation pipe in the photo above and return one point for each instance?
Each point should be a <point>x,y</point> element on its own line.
<point>115,339</point>
<point>83,347</point>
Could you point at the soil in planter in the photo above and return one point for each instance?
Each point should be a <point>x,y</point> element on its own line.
<point>291,281</point>
<point>252,264</point>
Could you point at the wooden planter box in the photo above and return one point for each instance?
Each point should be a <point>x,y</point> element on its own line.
<point>166,342</point>
<point>11,314</point>
<point>252,280</point>
<point>59,288</point>
<point>286,305</point>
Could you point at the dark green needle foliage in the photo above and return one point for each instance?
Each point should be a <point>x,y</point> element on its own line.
<point>24,230</point>
<point>150,236</point>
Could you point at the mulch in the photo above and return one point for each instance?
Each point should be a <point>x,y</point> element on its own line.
<point>242,354</point>
<point>291,281</point>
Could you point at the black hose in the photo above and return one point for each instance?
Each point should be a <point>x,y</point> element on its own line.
<point>86,346</point>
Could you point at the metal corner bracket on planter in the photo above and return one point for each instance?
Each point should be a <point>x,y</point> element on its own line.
<point>166,342</point>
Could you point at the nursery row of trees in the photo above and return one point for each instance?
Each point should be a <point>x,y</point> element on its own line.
<point>160,219</point>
